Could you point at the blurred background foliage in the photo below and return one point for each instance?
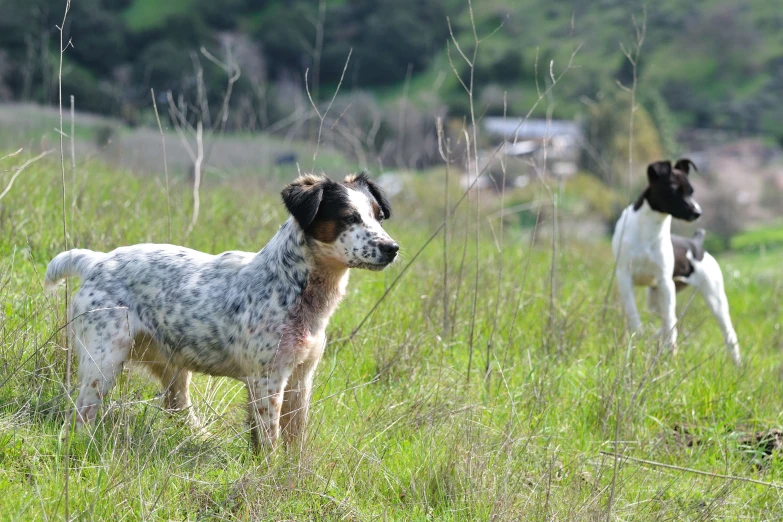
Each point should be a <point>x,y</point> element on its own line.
<point>705,65</point>
<point>712,63</point>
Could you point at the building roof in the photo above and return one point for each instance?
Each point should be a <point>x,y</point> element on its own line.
<point>521,129</point>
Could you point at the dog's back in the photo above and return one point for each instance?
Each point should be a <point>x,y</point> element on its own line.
<point>687,251</point>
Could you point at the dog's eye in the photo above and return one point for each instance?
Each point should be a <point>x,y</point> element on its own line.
<point>353,219</point>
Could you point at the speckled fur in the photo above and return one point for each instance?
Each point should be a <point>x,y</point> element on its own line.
<point>257,317</point>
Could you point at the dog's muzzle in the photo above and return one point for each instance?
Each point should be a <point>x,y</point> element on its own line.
<point>389,251</point>
<point>695,212</point>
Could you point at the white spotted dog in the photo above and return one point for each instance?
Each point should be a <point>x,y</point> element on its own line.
<point>647,254</point>
<point>257,317</point>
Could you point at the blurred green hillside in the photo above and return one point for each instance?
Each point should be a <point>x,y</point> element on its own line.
<point>710,63</point>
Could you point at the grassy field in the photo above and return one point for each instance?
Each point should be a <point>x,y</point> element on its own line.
<point>508,409</point>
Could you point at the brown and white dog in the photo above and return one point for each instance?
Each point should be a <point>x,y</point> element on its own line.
<point>257,317</point>
<point>647,254</point>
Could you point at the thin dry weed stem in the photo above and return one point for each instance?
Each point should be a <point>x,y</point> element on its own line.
<point>73,157</point>
<point>500,245</point>
<point>197,163</point>
<point>322,117</point>
<point>652,463</point>
<point>165,162</point>
<point>21,168</point>
<point>63,47</point>
<point>633,59</point>
<point>444,148</point>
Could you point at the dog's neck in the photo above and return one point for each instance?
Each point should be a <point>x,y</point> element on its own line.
<point>314,288</point>
<point>649,224</point>
<point>324,290</point>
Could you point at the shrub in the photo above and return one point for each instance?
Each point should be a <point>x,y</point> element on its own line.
<point>89,94</point>
<point>606,132</point>
<point>98,37</point>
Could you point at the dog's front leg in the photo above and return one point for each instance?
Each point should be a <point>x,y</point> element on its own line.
<point>625,287</point>
<point>296,402</point>
<point>667,294</point>
<point>265,400</point>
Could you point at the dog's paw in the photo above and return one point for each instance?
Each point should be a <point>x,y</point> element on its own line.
<point>735,356</point>
<point>189,419</point>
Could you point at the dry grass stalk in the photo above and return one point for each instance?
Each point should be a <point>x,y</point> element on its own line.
<point>69,355</point>
<point>165,161</point>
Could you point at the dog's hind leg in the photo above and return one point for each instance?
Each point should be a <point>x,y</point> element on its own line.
<point>176,394</point>
<point>709,281</point>
<point>652,300</point>
<point>175,381</point>
<point>103,345</point>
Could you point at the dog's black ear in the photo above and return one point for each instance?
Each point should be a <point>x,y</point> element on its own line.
<point>377,192</point>
<point>303,197</point>
<point>658,170</point>
<point>684,164</point>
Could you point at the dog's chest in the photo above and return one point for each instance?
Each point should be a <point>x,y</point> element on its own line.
<point>647,263</point>
<point>311,347</point>
<point>642,247</point>
<point>303,334</point>
<point>300,343</point>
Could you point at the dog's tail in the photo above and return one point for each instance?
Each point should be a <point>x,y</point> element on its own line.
<point>698,236</point>
<point>71,263</point>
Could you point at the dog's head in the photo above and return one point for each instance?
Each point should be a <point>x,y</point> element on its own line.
<point>343,221</point>
<point>670,191</point>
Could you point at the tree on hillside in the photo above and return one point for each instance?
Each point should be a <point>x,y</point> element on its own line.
<point>386,37</point>
<point>605,152</point>
<point>98,37</point>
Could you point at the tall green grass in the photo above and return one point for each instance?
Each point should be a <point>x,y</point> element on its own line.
<point>399,430</point>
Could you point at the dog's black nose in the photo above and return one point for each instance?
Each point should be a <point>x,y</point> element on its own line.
<point>389,249</point>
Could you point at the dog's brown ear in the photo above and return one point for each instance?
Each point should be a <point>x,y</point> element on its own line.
<point>377,192</point>
<point>303,197</point>
<point>658,170</point>
<point>684,164</point>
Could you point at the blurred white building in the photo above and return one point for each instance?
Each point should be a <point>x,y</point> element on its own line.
<point>532,140</point>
